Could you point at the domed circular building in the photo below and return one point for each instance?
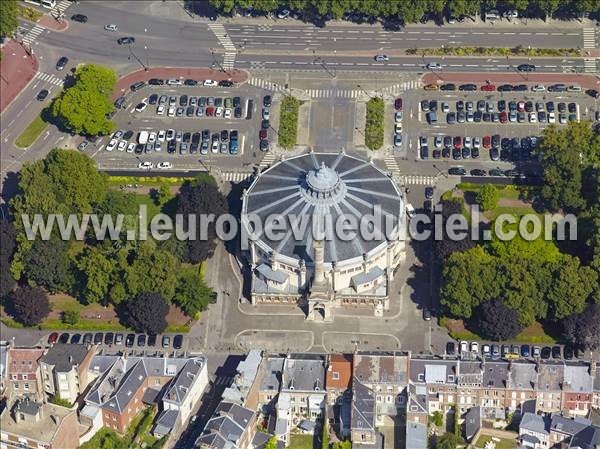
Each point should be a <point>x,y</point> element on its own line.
<point>302,257</point>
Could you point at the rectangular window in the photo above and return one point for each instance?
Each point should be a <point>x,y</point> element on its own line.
<point>335,375</point>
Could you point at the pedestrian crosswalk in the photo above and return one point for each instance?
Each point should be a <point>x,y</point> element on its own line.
<point>32,35</point>
<point>62,6</point>
<point>228,60</point>
<point>334,93</point>
<point>227,380</point>
<point>235,176</point>
<point>268,160</point>
<point>394,89</point>
<point>590,65</point>
<point>222,36</point>
<point>266,85</point>
<point>416,179</point>
<point>50,79</point>
<point>589,38</point>
<point>392,166</point>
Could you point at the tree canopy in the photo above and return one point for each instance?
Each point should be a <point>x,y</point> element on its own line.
<point>8,243</point>
<point>444,247</point>
<point>8,17</point>
<point>147,313</point>
<point>47,264</point>
<point>583,329</point>
<point>83,107</point>
<point>191,293</point>
<point>487,197</point>
<point>496,321</point>
<point>29,305</point>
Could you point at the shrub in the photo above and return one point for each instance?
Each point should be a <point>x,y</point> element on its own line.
<point>374,124</point>
<point>70,317</point>
<point>488,196</point>
<point>288,122</point>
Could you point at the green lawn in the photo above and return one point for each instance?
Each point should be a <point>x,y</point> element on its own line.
<point>288,122</point>
<point>116,181</point>
<point>502,444</point>
<point>301,442</point>
<point>153,208</point>
<point>31,133</point>
<point>534,333</point>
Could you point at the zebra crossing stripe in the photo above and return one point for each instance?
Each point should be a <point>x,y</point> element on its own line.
<point>589,38</point>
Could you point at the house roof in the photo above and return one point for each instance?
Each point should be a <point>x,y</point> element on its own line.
<point>578,378</point>
<point>44,429</point>
<point>165,422</point>
<point>224,430</point>
<point>181,385</point>
<point>568,426</point>
<point>388,368</point>
<point>416,435</point>
<point>268,273</point>
<point>27,405</point>
<point>472,422</point>
<point>417,398</point>
<point>304,374</point>
<point>342,365</point>
<point>470,372</point>
<point>550,376</point>
<point>272,369</point>
<point>522,376</point>
<point>420,366</point>
<point>363,407</point>
<point>23,361</point>
<point>588,438</point>
<point>246,370</point>
<point>65,356</point>
<point>3,360</point>
<point>495,374</point>
<point>534,423</point>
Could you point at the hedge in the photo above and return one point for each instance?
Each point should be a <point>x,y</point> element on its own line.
<point>374,124</point>
<point>288,122</point>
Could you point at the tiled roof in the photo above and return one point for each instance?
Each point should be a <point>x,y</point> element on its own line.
<point>64,356</point>
<point>342,365</point>
<point>23,361</point>
<point>363,407</point>
<point>389,368</point>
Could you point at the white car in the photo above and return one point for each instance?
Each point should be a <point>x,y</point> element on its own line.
<point>434,66</point>
<point>219,112</point>
<point>266,114</point>
<point>574,88</point>
<point>467,142</point>
<point>111,27</point>
<point>152,137</point>
<point>174,82</point>
<point>464,346</point>
<point>445,107</point>
<point>171,112</point>
<point>474,347</point>
<point>538,88</point>
<point>141,106</point>
<point>131,147</point>
<point>437,141</point>
<point>381,58</point>
<point>476,142</point>
<point>146,165</point>
<point>122,145</point>
<point>398,128</point>
<point>161,135</point>
<point>170,134</point>
<point>112,144</point>
<point>398,116</point>
<point>160,110</point>
<point>551,117</point>
<point>118,134</point>
<point>227,113</point>
<point>164,165</point>
<point>157,146</point>
<point>532,117</point>
<point>215,146</point>
<point>210,83</point>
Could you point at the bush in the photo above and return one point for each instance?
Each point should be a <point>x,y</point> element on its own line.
<point>70,317</point>
<point>57,400</point>
<point>374,125</point>
<point>487,198</point>
<point>436,418</point>
<point>288,122</point>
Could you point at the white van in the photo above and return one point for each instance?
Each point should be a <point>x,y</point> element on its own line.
<point>143,137</point>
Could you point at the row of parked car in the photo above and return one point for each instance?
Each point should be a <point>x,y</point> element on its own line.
<point>470,87</point>
<point>117,339</point>
<point>512,173</point>
<point>398,122</point>
<point>191,106</point>
<point>505,351</point>
<point>265,125</point>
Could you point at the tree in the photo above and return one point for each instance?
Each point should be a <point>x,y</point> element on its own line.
<point>346,444</point>
<point>487,197</point>
<point>95,272</point>
<point>496,321</point>
<point>163,194</point>
<point>571,286</point>
<point>191,293</point>
<point>8,17</point>
<point>436,418</point>
<point>201,196</point>
<point>83,107</point>
<point>29,305</point>
<point>8,244</point>
<point>444,247</point>
<point>147,313</point>
<point>448,441</point>
<point>272,443</point>
<point>583,329</point>
<point>70,317</point>
<point>325,436</point>
<point>47,264</point>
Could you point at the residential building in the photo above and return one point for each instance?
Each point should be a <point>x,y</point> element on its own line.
<point>363,427</point>
<point>472,423</point>
<point>417,409</point>
<point>495,379</point>
<point>386,374</point>
<point>35,425</point>
<point>339,375</point>
<point>231,427</point>
<point>534,431</point>
<point>521,384</point>
<point>64,369</point>
<point>303,378</point>
<point>596,374</point>
<point>270,373</point>
<point>23,372</point>
<point>245,389</point>
<point>578,389</point>
<point>440,378</point>
<point>563,429</point>
<point>551,377</point>
<point>469,382</point>
<point>4,347</point>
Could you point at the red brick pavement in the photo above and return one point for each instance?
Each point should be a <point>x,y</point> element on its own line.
<point>200,74</point>
<point>17,68</point>
<point>47,21</point>
<point>585,81</point>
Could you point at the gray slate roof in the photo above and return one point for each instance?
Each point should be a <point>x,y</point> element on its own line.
<point>495,374</point>
<point>578,378</point>
<point>180,386</point>
<point>419,369</point>
<point>523,376</point>
<point>64,356</point>
<point>304,374</point>
<point>472,422</point>
<point>272,370</point>
<point>224,430</point>
<point>27,405</point>
<point>550,376</point>
<point>165,422</point>
<point>268,273</point>
<point>363,407</point>
<point>416,435</point>
<point>568,426</point>
<point>534,423</point>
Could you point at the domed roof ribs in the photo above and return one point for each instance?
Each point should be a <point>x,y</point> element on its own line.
<point>337,160</point>
<point>352,170</point>
<point>356,213</point>
<point>286,178</point>
<point>290,231</point>
<point>369,205</point>
<point>372,192</point>
<point>287,162</point>
<point>275,203</point>
<point>278,189</point>
<point>315,161</point>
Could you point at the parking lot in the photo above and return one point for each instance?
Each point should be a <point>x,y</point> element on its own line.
<point>187,127</point>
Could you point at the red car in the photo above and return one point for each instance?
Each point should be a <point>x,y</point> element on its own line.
<point>262,134</point>
<point>487,142</point>
<point>458,142</point>
<point>210,111</point>
<point>398,104</point>
<point>53,338</point>
<point>503,117</point>
<point>488,88</point>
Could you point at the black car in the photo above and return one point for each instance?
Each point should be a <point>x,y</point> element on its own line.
<point>546,352</point>
<point>205,134</point>
<point>467,87</point>
<point>130,340</point>
<point>42,94</point>
<point>109,338</point>
<point>448,86</point>
<point>119,102</point>
<point>126,40</point>
<point>264,145</point>
<point>178,341</point>
<point>526,68</point>
<point>505,88</point>
<point>572,108</point>
<point>172,146</point>
<point>156,82</point>
<point>458,171</point>
<point>183,100</point>
<point>137,86</point>
<point>187,137</point>
<point>141,341</point>
<point>237,101</point>
<point>425,105</point>
<point>190,111</point>
<point>62,63</point>
<point>478,172</point>
<point>87,338</point>
<point>568,353</point>
<point>556,352</point>
<point>98,338</point>
<point>446,152</point>
<point>264,124</point>
<point>450,348</point>
<point>496,172</point>
<point>433,105</point>
<point>153,99</point>
<point>520,88</point>
<point>151,340</point>
<point>267,101</point>
<point>237,112</point>
<point>224,135</point>
<point>189,82</point>
<point>75,339</point>
<point>466,153</point>
<point>460,105</point>
<point>64,338</point>
<point>593,93</point>
<point>226,83</point>
<point>501,105</point>
<point>428,192</point>
<point>557,88</point>
<point>456,155</point>
<point>79,18</point>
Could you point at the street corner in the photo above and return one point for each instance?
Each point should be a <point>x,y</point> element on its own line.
<point>52,23</point>
<point>275,340</point>
<point>17,70</point>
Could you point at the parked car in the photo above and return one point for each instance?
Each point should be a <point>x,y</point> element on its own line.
<point>52,338</point>
<point>130,340</point>
<point>62,63</point>
<point>166,341</point>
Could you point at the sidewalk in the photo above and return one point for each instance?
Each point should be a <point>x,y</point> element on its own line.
<point>47,21</point>
<point>17,68</point>
<point>199,74</point>
<point>585,81</point>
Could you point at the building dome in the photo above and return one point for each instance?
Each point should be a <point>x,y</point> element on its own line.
<point>319,188</point>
